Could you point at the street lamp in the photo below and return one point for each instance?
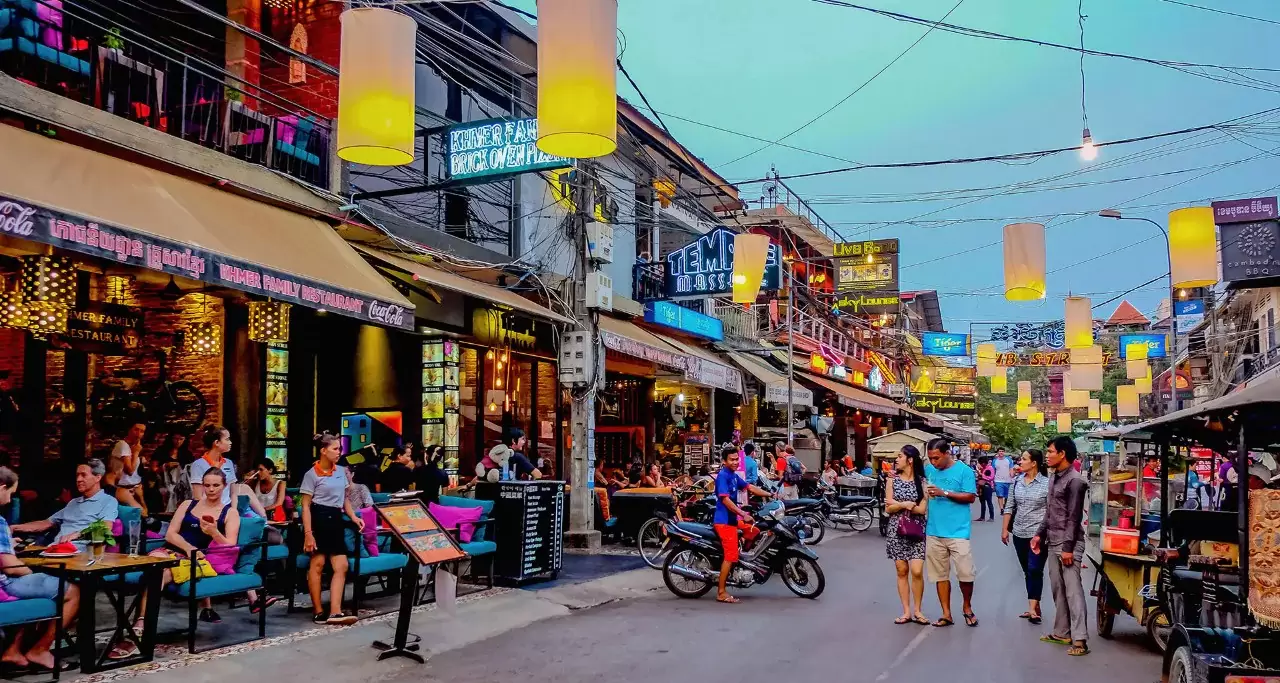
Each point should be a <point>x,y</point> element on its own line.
<point>1173,319</point>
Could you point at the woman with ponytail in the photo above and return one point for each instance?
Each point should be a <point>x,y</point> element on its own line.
<point>323,504</point>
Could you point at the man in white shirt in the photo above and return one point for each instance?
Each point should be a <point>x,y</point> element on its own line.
<point>1003,465</point>
<point>129,452</point>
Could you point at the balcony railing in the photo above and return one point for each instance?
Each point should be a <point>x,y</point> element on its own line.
<point>739,322</point>
<point>648,281</point>
<point>63,49</point>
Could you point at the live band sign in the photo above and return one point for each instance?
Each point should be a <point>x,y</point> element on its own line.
<point>81,235</point>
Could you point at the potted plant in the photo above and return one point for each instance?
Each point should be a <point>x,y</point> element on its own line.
<point>97,533</point>
<point>112,40</point>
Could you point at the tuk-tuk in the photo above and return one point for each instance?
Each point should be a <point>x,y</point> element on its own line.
<point>1224,612</point>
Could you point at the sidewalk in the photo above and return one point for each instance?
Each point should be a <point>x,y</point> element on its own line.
<point>337,653</point>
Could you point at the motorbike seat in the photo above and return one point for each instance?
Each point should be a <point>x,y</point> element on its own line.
<point>799,503</point>
<point>855,500</point>
<point>1196,577</point>
<point>703,530</point>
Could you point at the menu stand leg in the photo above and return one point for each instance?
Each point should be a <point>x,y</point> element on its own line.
<point>402,646</point>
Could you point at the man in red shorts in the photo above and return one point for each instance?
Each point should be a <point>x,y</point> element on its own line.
<point>728,515</point>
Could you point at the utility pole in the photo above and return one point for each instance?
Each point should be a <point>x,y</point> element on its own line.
<point>581,467</point>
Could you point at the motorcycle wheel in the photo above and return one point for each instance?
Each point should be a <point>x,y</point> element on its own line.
<point>863,520</point>
<point>652,543</point>
<point>682,587</point>
<point>818,524</point>
<point>803,576</point>
<point>1159,628</point>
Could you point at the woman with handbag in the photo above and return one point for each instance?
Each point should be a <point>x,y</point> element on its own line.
<point>906,505</point>
<point>1024,511</point>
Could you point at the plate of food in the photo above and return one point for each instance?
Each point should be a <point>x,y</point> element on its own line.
<point>61,550</point>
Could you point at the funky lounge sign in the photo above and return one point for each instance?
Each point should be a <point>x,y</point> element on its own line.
<point>78,234</point>
<point>706,267</point>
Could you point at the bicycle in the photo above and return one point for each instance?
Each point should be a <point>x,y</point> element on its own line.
<point>10,411</point>
<point>121,399</point>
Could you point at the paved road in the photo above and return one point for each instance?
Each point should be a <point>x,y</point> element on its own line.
<point>847,635</point>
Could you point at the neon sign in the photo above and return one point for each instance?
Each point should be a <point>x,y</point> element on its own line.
<point>706,267</point>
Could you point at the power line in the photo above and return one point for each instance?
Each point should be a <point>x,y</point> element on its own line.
<point>1222,11</point>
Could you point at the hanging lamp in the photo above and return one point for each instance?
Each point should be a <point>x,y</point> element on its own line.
<point>1078,318</point>
<point>750,256</point>
<point>376,106</point>
<point>577,78</point>
<point>1024,262</point>
<point>269,321</point>
<point>1193,247</point>
<point>1126,400</point>
<point>1086,368</point>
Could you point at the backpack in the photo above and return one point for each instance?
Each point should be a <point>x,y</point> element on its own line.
<point>794,473</point>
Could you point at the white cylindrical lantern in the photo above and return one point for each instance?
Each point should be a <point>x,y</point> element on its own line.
<point>1136,366</point>
<point>578,77</point>
<point>1126,400</point>
<point>1024,393</point>
<point>1023,412</point>
<point>750,256</point>
<point>1095,409</point>
<point>1064,423</point>
<point>1079,322</point>
<point>1024,262</point>
<point>376,106</point>
<point>1037,420</point>
<point>1086,368</point>
<point>1000,381</point>
<point>986,356</point>
<point>1106,412</point>
<point>1143,384</point>
<point>1193,247</point>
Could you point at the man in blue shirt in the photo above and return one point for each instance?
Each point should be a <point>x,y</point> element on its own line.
<point>749,464</point>
<point>952,488</point>
<point>92,505</point>
<point>728,515</point>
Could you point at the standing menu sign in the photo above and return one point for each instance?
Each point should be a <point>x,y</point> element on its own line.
<point>418,531</point>
<point>528,517</point>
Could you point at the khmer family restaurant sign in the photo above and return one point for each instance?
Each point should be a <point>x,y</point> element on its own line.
<point>74,233</point>
<point>706,267</point>
<point>496,147</point>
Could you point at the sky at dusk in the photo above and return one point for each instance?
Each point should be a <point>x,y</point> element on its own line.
<point>764,67</point>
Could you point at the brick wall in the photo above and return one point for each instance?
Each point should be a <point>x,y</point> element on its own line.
<point>11,350</point>
<point>319,92</point>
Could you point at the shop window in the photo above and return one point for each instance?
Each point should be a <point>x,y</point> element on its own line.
<point>521,407</point>
<point>469,409</point>
<point>545,408</point>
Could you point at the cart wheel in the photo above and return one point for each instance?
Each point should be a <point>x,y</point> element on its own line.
<point>1185,667</point>
<point>1106,616</point>
<point>1159,627</point>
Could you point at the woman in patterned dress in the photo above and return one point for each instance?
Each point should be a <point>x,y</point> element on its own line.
<point>905,496</point>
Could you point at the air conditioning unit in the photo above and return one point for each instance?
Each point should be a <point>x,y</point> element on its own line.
<point>599,291</point>
<point>600,242</point>
<point>577,358</point>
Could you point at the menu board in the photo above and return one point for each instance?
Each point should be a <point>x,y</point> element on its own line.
<point>441,377</point>
<point>529,516</point>
<point>276,430</point>
<point>410,521</point>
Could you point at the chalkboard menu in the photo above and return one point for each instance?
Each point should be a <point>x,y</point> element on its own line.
<point>528,517</point>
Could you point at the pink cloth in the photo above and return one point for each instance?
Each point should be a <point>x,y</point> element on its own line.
<point>370,517</point>
<point>223,558</point>
<point>461,518</point>
<point>5,597</point>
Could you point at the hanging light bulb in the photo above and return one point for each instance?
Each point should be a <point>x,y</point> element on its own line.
<point>1024,262</point>
<point>577,78</point>
<point>376,87</point>
<point>489,354</point>
<point>1088,151</point>
<point>203,339</point>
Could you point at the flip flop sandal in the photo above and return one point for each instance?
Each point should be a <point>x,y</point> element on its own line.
<point>902,621</point>
<point>1055,640</point>
<point>922,620</point>
<point>729,600</point>
<point>1078,650</point>
<point>123,650</point>
<point>943,622</point>
<point>1025,615</point>
<point>263,604</point>
<point>971,620</point>
<point>1034,620</point>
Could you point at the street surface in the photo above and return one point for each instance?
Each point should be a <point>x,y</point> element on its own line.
<point>846,635</point>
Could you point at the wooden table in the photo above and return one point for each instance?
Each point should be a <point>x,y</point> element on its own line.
<point>91,577</point>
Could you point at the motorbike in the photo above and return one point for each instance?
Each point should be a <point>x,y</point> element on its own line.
<point>693,566</point>
<point>691,505</point>
<point>856,512</point>
<point>810,512</point>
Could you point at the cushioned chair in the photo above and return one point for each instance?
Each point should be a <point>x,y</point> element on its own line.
<point>253,552</point>
<point>21,612</point>
<point>482,539</point>
<point>21,32</point>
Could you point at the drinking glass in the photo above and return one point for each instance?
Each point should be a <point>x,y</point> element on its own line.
<point>135,535</point>
<point>98,550</point>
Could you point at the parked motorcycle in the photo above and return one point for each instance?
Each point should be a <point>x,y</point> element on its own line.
<point>693,566</point>
<point>856,512</point>
<point>812,516</point>
<point>691,505</point>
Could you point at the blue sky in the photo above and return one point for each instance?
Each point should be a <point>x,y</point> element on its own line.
<point>763,67</point>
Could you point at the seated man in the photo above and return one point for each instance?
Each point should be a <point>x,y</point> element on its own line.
<point>20,582</point>
<point>92,505</point>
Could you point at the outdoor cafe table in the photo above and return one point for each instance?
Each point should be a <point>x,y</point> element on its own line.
<point>92,577</point>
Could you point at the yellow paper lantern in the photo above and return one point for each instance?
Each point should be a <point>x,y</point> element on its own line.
<point>13,312</point>
<point>578,78</point>
<point>1023,412</point>
<point>986,356</point>
<point>203,339</point>
<point>750,254</point>
<point>1095,409</point>
<point>1038,420</point>
<point>1193,247</point>
<point>48,280</point>
<point>1064,423</point>
<point>1071,396</point>
<point>1079,323</point>
<point>1143,384</point>
<point>1106,412</point>
<point>1136,366</point>
<point>1127,400</point>
<point>1000,382</point>
<point>1024,262</point>
<point>44,319</point>
<point>376,106</point>
<point>269,321</point>
<point>1086,368</point>
<point>1024,393</point>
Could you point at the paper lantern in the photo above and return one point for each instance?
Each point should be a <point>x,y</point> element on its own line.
<point>1193,247</point>
<point>1079,323</point>
<point>1086,368</point>
<point>1071,396</point>
<point>44,318</point>
<point>48,280</point>
<point>376,106</point>
<point>986,356</point>
<point>1126,400</point>
<point>578,78</point>
<point>1037,420</point>
<point>1106,412</point>
<point>1143,384</point>
<point>750,254</point>
<point>1023,412</point>
<point>1024,393</point>
<point>119,289</point>
<point>269,321</point>
<point>1000,382</point>
<point>1136,366</point>
<point>203,339</point>
<point>13,312</point>
<point>1064,423</point>
<point>1095,409</point>
<point>1024,260</point>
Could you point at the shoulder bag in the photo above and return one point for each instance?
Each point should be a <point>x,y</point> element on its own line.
<point>910,525</point>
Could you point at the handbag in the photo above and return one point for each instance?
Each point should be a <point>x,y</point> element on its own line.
<point>910,527</point>
<point>182,571</point>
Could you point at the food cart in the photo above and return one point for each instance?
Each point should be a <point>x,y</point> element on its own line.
<point>1234,636</point>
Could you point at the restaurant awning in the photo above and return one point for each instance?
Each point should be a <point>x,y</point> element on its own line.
<point>775,384</point>
<point>631,339</point>
<point>464,285</point>
<point>854,397</point>
<point>706,368</point>
<point>84,201</point>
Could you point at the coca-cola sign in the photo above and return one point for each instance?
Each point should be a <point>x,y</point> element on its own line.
<point>101,240</point>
